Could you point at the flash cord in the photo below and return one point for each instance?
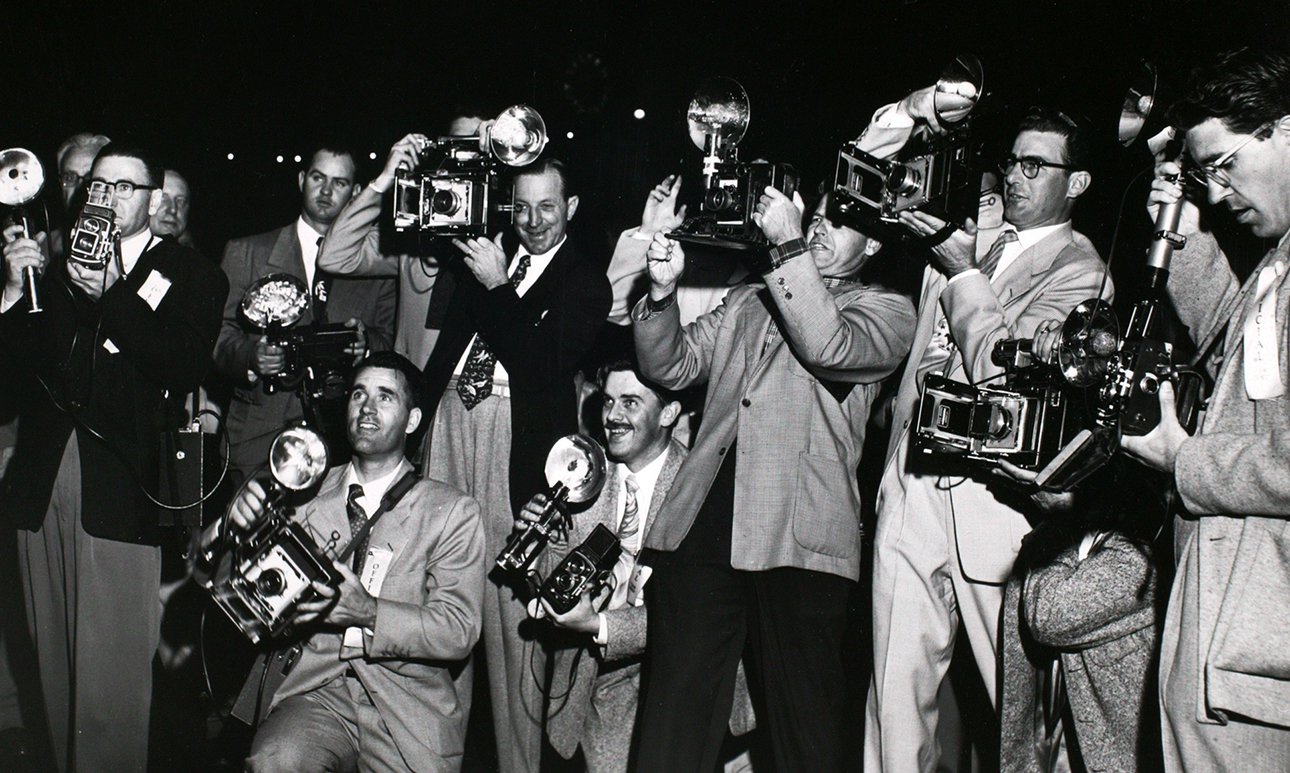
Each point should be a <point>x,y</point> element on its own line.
<point>563,697</point>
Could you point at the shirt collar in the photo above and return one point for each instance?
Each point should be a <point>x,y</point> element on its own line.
<point>648,474</point>
<point>307,234</point>
<point>374,490</point>
<point>1032,236</point>
<point>133,247</point>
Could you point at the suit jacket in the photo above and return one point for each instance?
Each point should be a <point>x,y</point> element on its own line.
<point>121,367</point>
<point>1235,485</point>
<point>797,395</point>
<point>255,417</point>
<point>428,617</point>
<point>1045,282</point>
<point>541,340</point>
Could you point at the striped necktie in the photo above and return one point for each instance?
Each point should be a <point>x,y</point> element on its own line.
<point>357,518</point>
<point>631,522</point>
<point>991,260</point>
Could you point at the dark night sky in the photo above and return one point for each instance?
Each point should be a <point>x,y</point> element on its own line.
<point>198,82</point>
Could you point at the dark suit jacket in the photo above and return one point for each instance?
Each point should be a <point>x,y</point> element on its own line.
<point>255,417</point>
<point>122,369</point>
<point>541,340</point>
<point>429,612</point>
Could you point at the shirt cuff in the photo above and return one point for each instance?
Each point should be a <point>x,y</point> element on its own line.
<point>639,235</point>
<point>651,308</point>
<point>963,273</point>
<point>602,635</point>
<point>782,253</point>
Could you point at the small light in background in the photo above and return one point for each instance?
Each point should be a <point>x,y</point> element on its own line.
<point>297,159</point>
<point>569,135</point>
<point>279,159</point>
<point>372,155</point>
<point>638,113</point>
<point>230,156</point>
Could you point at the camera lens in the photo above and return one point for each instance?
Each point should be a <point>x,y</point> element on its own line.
<point>904,181</point>
<point>719,200</point>
<point>445,202</point>
<point>1000,423</point>
<point>270,583</point>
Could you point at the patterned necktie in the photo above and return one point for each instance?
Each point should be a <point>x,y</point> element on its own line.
<point>631,522</point>
<point>476,380</point>
<point>322,283</point>
<point>357,518</point>
<point>991,260</point>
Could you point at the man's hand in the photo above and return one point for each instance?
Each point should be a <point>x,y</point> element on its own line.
<point>955,254</point>
<point>1166,188</point>
<point>531,513</point>
<point>583,618</point>
<point>249,506</point>
<point>358,348</point>
<point>404,154</point>
<point>1158,448</point>
<point>485,259</point>
<point>661,214</point>
<point>666,261</point>
<point>268,359</point>
<point>1046,341</point>
<point>1047,501</point>
<point>21,253</point>
<point>343,606</point>
<point>778,216</point>
<point>94,281</point>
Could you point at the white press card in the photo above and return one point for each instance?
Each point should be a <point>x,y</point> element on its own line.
<point>375,567</point>
<point>1262,343</point>
<point>154,289</point>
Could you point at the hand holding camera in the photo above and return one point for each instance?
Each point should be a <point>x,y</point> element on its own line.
<point>249,506</point>
<point>404,154</point>
<point>486,260</point>
<point>93,281</point>
<point>344,605</point>
<point>953,255</point>
<point>533,512</point>
<point>1158,448</point>
<point>661,214</point>
<point>778,216</point>
<point>358,347</point>
<point>583,618</point>
<point>268,359</point>
<point>21,253</point>
<point>665,260</point>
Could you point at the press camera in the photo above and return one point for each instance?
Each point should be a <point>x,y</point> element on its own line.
<point>718,117</point>
<point>274,304</point>
<point>936,174</point>
<point>260,577</point>
<point>587,569</point>
<point>95,237</point>
<point>455,191</point>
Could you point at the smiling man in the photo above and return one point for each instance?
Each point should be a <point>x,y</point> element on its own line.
<point>500,379</point>
<point>244,357</point>
<point>945,543</point>
<point>383,681</point>
<point>757,547</point>
<point>1224,660</point>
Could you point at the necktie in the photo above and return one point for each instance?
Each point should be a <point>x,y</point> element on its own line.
<point>357,518</point>
<point>476,380</point>
<point>322,283</point>
<point>631,522</point>
<point>991,260</point>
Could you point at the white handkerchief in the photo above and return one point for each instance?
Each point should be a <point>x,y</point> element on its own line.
<point>1261,342</point>
<point>154,288</point>
<point>375,566</point>
<point>111,347</point>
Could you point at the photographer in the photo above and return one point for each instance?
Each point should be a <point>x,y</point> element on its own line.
<point>1224,659</point>
<point>102,366</point>
<point>246,357</point>
<point>392,692</point>
<point>758,545</point>
<point>945,544</point>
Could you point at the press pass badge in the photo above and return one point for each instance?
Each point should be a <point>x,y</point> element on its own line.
<point>1261,343</point>
<point>375,567</point>
<point>154,289</point>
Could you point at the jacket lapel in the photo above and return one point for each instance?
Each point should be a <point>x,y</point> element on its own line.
<point>325,516</point>
<point>390,528</point>
<point>287,257</point>
<point>675,455</point>
<point>1034,261</point>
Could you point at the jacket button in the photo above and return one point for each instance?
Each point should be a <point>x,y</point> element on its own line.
<point>721,451</point>
<point>745,402</point>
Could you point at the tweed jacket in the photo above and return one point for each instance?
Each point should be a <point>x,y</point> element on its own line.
<point>121,367</point>
<point>1045,282</point>
<point>792,368</point>
<point>1234,480</point>
<point>1100,616</point>
<point>254,416</point>
<point>428,617</point>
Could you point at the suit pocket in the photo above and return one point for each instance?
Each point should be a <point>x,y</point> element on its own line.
<point>826,515</point>
<point>1252,636</point>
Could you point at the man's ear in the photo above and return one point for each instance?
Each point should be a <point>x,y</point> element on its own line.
<point>871,247</point>
<point>671,412</point>
<point>1079,182</point>
<point>414,421</point>
<point>572,203</point>
<point>300,181</point>
<point>154,201</point>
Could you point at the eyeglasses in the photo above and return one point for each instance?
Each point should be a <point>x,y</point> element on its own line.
<point>71,179</point>
<point>124,188</point>
<point>1216,170</point>
<point>1030,165</point>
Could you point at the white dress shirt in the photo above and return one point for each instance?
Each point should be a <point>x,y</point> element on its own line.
<point>373,490</point>
<point>645,480</point>
<point>308,238</point>
<point>133,247</point>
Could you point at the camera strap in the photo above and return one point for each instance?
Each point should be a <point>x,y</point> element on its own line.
<point>395,493</point>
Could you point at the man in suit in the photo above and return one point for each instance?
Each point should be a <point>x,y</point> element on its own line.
<point>245,357</point>
<point>383,682</point>
<point>1223,688</point>
<point>758,544</point>
<point>172,216</point>
<point>516,330</point>
<point>946,541</point>
<point>598,710</point>
<point>102,369</point>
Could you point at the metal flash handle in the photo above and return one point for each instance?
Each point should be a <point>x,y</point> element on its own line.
<point>1166,238</point>
<point>33,293</point>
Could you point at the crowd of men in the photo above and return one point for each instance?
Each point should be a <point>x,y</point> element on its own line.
<point>734,403</point>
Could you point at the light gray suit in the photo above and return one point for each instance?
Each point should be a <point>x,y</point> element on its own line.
<point>1226,646</point>
<point>945,545</point>
<point>413,665</point>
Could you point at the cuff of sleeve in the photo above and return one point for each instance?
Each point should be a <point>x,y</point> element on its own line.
<point>651,308</point>
<point>639,235</point>
<point>602,635</point>
<point>782,253</point>
<point>893,116</point>
<point>961,274</point>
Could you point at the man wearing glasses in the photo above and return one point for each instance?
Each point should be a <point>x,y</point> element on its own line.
<point>1224,660</point>
<point>102,371</point>
<point>946,543</point>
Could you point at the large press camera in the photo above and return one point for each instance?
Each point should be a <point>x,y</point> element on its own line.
<point>95,237</point>
<point>316,355</point>
<point>717,118</point>
<point>454,191</point>
<point>259,578</point>
<point>936,174</point>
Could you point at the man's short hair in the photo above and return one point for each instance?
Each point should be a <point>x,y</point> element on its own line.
<point>1245,89</point>
<point>83,140</point>
<point>627,365</point>
<point>1050,119</point>
<point>333,146</point>
<point>394,361</point>
<point>155,170</point>
<point>549,164</point>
